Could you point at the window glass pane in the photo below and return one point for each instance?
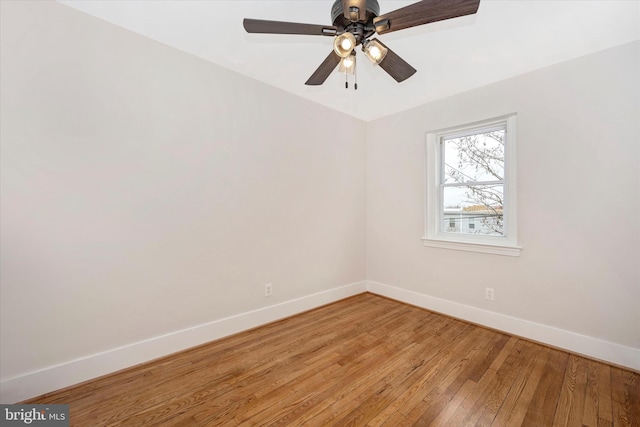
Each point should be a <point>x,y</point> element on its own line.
<point>473,209</point>
<point>478,157</point>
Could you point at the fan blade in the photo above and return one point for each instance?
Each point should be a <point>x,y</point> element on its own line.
<point>278,27</point>
<point>397,67</point>
<point>360,4</point>
<point>424,12</point>
<point>328,65</point>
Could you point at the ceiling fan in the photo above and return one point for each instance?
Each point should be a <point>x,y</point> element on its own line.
<point>354,24</point>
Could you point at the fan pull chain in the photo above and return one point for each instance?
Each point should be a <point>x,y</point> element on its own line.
<point>355,79</point>
<point>355,76</point>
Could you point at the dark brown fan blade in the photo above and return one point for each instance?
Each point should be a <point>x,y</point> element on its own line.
<point>328,65</point>
<point>360,4</point>
<point>424,12</point>
<point>397,67</point>
<point>278,27</point>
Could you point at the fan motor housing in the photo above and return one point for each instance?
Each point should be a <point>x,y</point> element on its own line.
<point>337,13</point>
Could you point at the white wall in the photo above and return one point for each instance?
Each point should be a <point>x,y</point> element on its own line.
<point>578,203</point>
<point>145,191</point>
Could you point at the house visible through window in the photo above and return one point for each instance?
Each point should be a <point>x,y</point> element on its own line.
<point>471,192</point>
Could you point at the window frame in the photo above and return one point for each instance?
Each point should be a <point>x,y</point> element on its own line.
<point>434,177</point>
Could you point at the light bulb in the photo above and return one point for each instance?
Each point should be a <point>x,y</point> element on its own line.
<point>375,52</point>
<point>348,65</point>
<point>343,44</point>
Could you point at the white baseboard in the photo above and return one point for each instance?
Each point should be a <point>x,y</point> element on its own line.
<point>75,371</point>
<point>595,348</point>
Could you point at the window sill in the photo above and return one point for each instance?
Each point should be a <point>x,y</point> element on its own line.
<point>474,247</point>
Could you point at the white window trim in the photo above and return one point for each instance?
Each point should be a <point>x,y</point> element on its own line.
<point>498,245</point>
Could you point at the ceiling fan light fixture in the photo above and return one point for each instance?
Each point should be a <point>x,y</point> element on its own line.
<point>348,65</point>
<point>343,44</point>
<point>354,21</point>
<point>375,51</point>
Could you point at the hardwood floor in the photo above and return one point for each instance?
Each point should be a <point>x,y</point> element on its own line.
<point>362,361</point>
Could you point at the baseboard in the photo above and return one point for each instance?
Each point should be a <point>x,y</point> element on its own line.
<point>594,348</point>
<point>76,371</point>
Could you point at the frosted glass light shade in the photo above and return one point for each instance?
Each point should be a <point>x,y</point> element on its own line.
<point>375,51</point>
<point>343,44</point>
<point>348,65</point>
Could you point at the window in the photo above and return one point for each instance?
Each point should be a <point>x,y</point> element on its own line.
<point>471,187</point>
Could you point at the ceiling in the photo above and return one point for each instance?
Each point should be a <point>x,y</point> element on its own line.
<point>504,39</point>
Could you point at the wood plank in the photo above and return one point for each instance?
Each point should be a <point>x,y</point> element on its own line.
<point>412,403</point>
<point>514,408</point>
<point>366,360</point>
<point>386,392</point>
<point>592,396</point>
<point>415,367</point>
<point>467,407</point>
<point>467,369</point>
<point>542,408</point>
<point>603,377</point>
<point>267,389</point>
<point>576,411</point>
<point>571,400</point>
<point>494,386</point>
<point>625,396</point>
<point>444,417</point>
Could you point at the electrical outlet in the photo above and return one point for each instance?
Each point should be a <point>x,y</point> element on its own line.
<point>489,294</point>
<point>268,290</point>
